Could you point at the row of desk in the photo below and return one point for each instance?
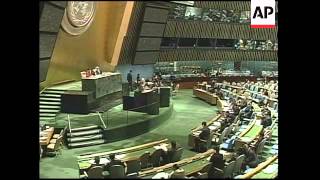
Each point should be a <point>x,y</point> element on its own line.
<point>206,96</point>
<point>125,155</point>
<point>45,136</point>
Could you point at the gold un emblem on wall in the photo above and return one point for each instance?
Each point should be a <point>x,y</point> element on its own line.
<point>78,16</point>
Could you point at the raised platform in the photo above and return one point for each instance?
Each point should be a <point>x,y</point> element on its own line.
<point>120,124</point>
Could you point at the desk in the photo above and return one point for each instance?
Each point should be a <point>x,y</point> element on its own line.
<point>195,132</point>
<point>205,95</point>
<point>46,139</point>
<point>103,84</point>
<point>190,165</point>
<point>84,164</point>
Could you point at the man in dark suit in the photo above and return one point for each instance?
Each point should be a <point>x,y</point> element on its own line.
<point>205,132</point>
<point>266,120</point>
<point>251,159</point>
<point>168,155</point>
<point>217,159</point>
<point>113,162</point>
<point>203,137</point>
<point>129,79</point>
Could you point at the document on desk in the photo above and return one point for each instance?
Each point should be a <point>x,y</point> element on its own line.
<point>271,169</point>
<point>161,146</point>
<point>161,175</point>
<point>196,133</point>
<point>213,128</point>
<point>102,161</point>
<point>120,156</point>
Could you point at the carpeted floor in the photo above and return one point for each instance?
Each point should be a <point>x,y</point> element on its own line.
<point>188,113</point>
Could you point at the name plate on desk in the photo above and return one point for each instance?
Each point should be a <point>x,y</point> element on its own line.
<point>103,84</point>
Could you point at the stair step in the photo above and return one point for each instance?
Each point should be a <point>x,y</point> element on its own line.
<point>85,128</point>
<point>86,143</point>
<point>47,115</point>
<point>84,133</point>
<point>49,103</point>
<point>49,107</point>
<point>50,99</point>
<point>51,95</point>
<point>54,111</point>
<point>85,138</point>
<point>46,118</point>
<point>53,92</point>
<point>54,89</point>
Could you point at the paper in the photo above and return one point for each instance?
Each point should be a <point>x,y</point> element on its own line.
<point>213,128</point>
<point>161,146</point>
<point>161,175</point>
<point>271,169</point>
<point>102,161</point>
<point>120,156</point>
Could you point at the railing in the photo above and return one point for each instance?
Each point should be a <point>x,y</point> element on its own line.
<point>112,117</point>
<point>54,84</point>
<point>69,124</point>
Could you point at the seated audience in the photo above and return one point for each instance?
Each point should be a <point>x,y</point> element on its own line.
<point>266,120</point>
<point>247,111</point>
<point>113,161</point>
<point>251,159</point>
<point>217,159</point>
<point>167,155</point>
<point>203,136</point>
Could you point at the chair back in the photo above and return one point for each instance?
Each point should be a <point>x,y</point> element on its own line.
<point>144,160</point>
<point>260,146</point>
<point>236,127</point>
<point>203,176</point>
<point>229,169</point>
<point>133,166</point>
<point>155,158</point>
<point>223,134</point>
<point>95,172</point>
<point>177,155</point>
<point>218,173</point>
<point>229,129</point>
<point>238,164</point>
<point>205,168</point>
<point>117,171</point>
<point>58,143</point>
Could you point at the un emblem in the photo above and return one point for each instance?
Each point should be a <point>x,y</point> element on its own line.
<point>78,16</point>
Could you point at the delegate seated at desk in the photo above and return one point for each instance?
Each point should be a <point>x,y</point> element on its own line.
<point>216,160</point>
<point>169,153</point>
<point>266,120</point>
<point>97,163</point>
<point>113,161</point>
<point>251,159</point>
<point>203,136</point>
<point>247,111</point>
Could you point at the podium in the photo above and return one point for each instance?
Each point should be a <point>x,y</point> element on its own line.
<point>164,96</point>
<point>147,102</point>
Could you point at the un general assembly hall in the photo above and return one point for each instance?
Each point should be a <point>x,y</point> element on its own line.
<point>157,90</point>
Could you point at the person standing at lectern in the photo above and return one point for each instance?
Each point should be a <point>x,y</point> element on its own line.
<point>129,79</point>
<point>138,78</point>
<point>98,71</point>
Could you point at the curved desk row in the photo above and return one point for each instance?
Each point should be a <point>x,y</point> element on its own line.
<point>124,150</point>
<point>190,165</point>
<point>258,171</point>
